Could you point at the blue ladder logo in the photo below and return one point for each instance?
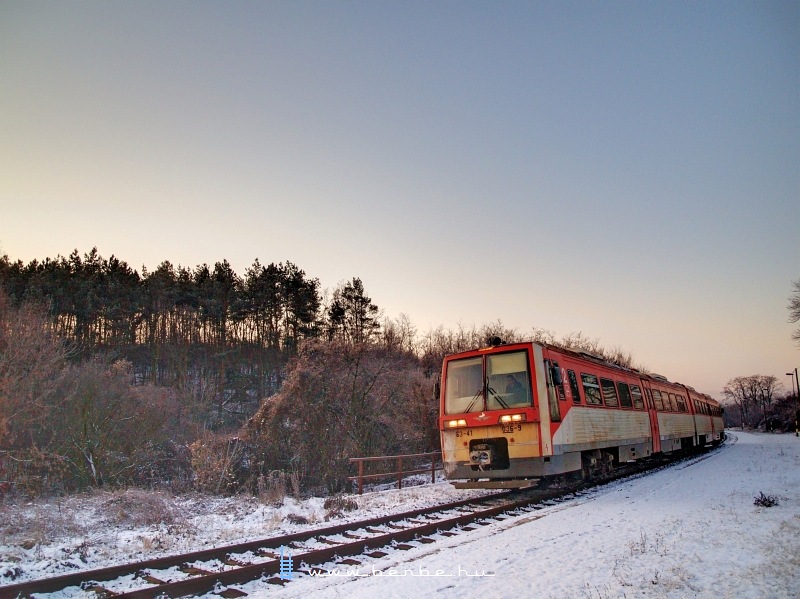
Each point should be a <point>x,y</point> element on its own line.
<point>286,568</point>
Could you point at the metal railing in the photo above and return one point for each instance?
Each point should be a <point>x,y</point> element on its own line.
<point>398,472</point>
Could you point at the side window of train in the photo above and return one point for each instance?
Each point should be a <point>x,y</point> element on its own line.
<point>636,393</point>
<point>682,403</point>
<point>573,386</point>
<point>657,400</point>
<point>591,389</point>
<point>624,395</point>
<point>609,393</point>
<point>560,390</point>
<point>672,402</point>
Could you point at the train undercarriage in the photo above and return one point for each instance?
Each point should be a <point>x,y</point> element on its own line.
<point>492,468</point>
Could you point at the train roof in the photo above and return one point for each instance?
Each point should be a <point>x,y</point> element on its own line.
<point>597,358</point>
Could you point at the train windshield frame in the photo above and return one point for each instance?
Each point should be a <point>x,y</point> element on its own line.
<point>498,381</point>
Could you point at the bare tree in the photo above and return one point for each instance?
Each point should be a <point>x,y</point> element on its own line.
<point>768,386</point>
<point>440,342</point>
<point>749,393</point>
<point>105,420</point>
<point>794,309</point>
<point>738,392</point>
<point>67,425</point>
<point>32,365</point>
<point>399,334</point>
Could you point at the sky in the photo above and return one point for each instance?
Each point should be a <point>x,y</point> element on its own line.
<point>629,170</point>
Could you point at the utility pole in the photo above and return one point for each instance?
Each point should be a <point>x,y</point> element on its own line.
<point>796,403</point>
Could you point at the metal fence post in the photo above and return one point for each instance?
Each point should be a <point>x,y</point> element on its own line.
<point>399,472</point>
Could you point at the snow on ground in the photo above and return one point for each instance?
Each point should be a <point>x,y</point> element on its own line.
<point>691,530</point>
<point>46,538</point>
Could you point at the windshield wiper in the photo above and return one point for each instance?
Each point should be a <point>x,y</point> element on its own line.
<point>475,397</point>
<point>499,399</point>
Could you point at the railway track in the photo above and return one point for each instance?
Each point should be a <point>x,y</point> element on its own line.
<point>274,560</point>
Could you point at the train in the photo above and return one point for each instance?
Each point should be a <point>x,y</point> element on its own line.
<point>515,415</point>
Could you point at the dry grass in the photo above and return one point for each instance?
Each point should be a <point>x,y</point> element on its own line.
<point>31,525</point>
<point>135,507</point>
<point>337,505</point>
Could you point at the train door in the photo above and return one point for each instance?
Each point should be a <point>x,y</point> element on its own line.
<point>651,409</point>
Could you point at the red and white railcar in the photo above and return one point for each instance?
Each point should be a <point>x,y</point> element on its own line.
<point>708,418</point>
<point>513,414</point>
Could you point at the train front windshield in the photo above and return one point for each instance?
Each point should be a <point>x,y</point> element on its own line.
<point>492,382</point>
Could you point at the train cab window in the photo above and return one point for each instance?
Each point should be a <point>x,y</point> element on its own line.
<point>591,389</point>
<point>636,394</point>
<point>508,381</point>
<point>657,400</point>
<point>464,386</point>
<point>609,393</point>
<point>624,395</point>
<point>573,386</point>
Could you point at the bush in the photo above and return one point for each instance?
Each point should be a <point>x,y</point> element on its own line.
<point>135,507</point>
<point>765,500</point>
<point>219,464</point>
<point>272,488</point>
<point>341,401</point>
<point>166,464</point>
<point>337,505</point>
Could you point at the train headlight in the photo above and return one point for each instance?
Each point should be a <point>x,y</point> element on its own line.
<point>505,418</point>
<point>456,423</point>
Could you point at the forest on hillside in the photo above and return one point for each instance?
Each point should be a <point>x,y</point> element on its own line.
<point>109,376</point>
<point>222,339</point>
